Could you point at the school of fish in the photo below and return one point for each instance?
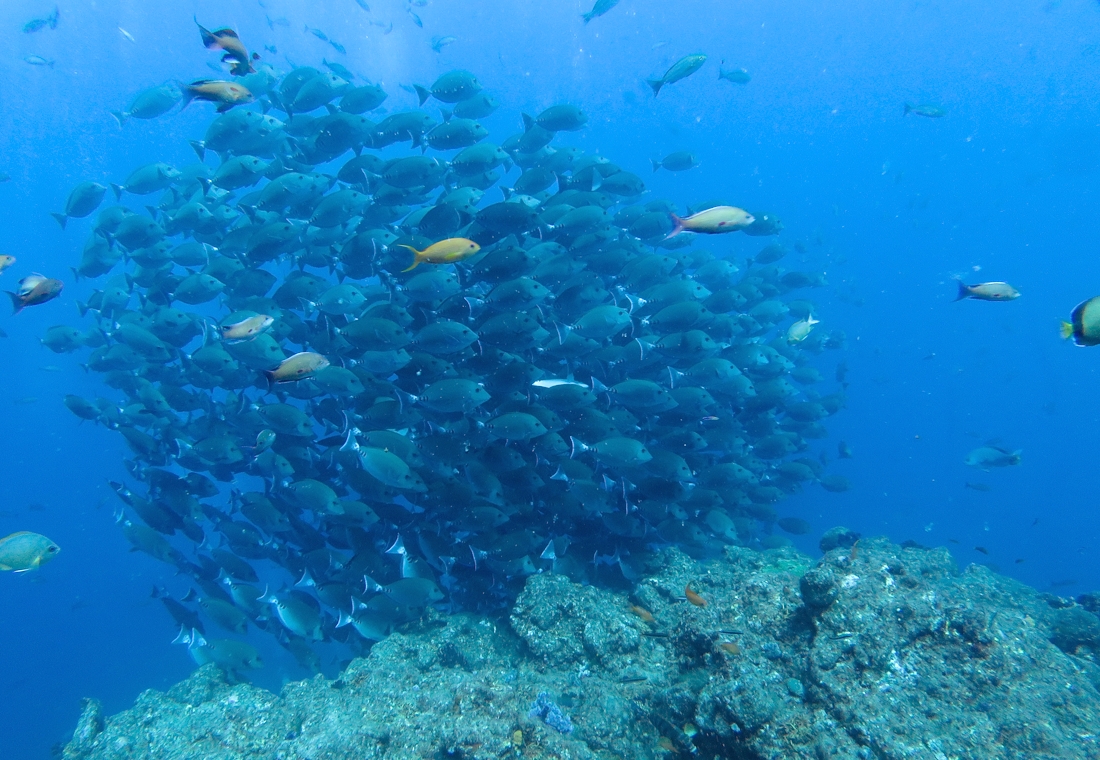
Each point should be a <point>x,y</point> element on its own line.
<point>355,383</point>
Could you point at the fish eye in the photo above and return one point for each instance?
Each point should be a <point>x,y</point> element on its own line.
<point>52,549</point>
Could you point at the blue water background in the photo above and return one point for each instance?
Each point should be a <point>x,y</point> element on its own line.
<point>891,207</point>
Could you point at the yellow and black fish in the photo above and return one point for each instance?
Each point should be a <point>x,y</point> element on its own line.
<point>1084,324</point>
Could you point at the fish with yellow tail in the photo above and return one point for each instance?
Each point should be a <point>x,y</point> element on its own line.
<point>25,551</point>
<point>297,367</point>
<point>712,221</point>
<point>1084,324</point>
<point>225,94</point>
<point>444,252</point>
<point>34,290</point>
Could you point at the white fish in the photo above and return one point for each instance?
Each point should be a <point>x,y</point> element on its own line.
<point>554,382</point>
<point>985,457</point>
<point>126,34</point>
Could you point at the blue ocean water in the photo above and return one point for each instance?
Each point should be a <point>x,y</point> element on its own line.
<point>890,206</point>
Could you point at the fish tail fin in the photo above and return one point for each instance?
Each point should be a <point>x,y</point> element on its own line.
<point>563,330</point>
<point>117,190</point>
<point>964,290</point>
<point>1066,330</point>
<point>528,122</point>
<point>423,93</point>
<point>16,302</point>
<point>656,164</point>
<point>677,227</point>
<point>656,85</point>
<point>577,447</point>
<point>209,41</point>
<point>199,147</point>
<point>587,17</point>
<point>417,258</point>
<point>61,219</point>
<point>908,108</point>
<point>120,117</point>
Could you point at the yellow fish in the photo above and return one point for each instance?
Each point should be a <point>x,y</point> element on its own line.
<point>247,329</point>
<point>713,221</point>
<point>25,551</point>
<point>800,330</point>
<point>444,252</point>
<point>297,367</point>
<point>6,261</point>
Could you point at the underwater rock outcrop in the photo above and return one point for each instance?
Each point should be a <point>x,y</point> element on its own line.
<point>873,651</point>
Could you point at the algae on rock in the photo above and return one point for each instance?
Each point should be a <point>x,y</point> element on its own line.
<point>884,652</point>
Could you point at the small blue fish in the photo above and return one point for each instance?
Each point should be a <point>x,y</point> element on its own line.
<point>362,4</point>
<point>416,19</point>
<point>37,60</point>
<point>438,43</point>
<point>601,7</point>
<point>339,48</point>
<point>317,33</point>
<point>37,24</point>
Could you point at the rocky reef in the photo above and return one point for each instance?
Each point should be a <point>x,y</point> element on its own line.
<point>873,651</point>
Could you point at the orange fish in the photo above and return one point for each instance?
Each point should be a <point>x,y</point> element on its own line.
<point>730,647</point>
<point>694,598</point>
<point>44,290</point>
<point>247,329</point>
<point>297,367</point>
<point>642,612</point>
<point>225,94</point>
<point>235,51</point>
